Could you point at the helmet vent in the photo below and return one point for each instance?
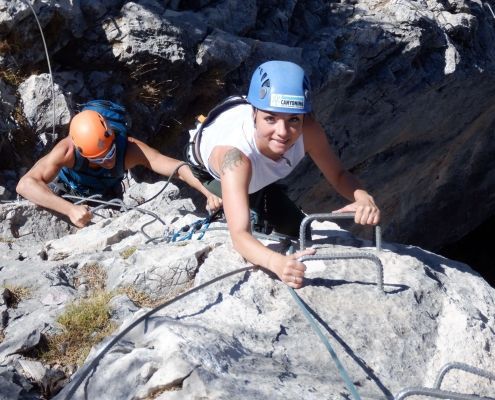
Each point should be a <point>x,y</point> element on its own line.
<point>263,92</point>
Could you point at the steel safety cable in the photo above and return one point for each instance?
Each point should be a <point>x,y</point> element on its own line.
<point>47,61</point>
<point>342,371</point>
<point>73,386</point>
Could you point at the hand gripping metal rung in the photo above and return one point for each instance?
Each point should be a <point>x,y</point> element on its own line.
<point>342,256</point>
<point>329,217</point>
<point>445,394</point>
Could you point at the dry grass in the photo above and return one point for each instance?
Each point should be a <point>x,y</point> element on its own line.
<point>143,299</point>
<point>16,294</point>
<point>11,76</point>
<point>84,324</point>
<point>6,240</point>
<point>140,298</point>
<point>93,275</point>
<point>127,252</point>
<point>158,391</point>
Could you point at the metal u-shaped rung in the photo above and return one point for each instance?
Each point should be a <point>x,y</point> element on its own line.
<point>464,367</point>
<point>438,394</point>
<point>445,394</point>
<point>341,256</point>
<point>329,217</point>
<point>353,256</point>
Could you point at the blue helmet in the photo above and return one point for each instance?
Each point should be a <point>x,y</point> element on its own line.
<point>280,86</point>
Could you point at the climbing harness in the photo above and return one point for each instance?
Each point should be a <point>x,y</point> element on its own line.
<point>444,394</point>
<point>200,227</point>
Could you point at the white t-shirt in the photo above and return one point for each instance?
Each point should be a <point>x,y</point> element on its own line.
<point>235,127</point>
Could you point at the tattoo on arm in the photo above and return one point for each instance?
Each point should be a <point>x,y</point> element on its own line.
<point>232,159</point>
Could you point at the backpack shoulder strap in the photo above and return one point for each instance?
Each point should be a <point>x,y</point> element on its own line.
<point>195,141</point>
<point>79,161</point>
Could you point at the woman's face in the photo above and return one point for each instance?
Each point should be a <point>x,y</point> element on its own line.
<point>276,132</point>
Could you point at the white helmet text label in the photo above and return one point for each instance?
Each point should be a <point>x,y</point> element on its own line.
<point>286,101</point>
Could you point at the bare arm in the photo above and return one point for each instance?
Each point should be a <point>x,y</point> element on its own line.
<point>139,153</point>
<point>34,184</point>
<point>234,169</point>
<point>317,146</point>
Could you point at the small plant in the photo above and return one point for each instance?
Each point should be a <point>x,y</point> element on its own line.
<point>84,324</point>
<point>12,77</point>
<point>16,294</point>
<point>141,299</point>
<point>2,335</point>
<point>93,275</point>
<point>129,251</point>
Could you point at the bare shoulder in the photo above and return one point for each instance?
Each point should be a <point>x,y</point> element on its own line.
<point>138,153</point>
<point>225,159</point>
<point>62,153</point>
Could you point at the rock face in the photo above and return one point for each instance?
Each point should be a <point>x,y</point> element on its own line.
<point>242,337</point>
<point>404,89</point>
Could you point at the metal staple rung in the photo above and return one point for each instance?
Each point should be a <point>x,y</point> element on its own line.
<point>439,394</point>
<point>329,217</point>
<point>444,394</point>
<point>464,367</point>
<point>360,256</point>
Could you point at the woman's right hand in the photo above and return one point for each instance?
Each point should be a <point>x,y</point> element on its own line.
<point>288,268</point>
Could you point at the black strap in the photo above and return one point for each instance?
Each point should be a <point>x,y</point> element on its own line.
<point>225,105</point>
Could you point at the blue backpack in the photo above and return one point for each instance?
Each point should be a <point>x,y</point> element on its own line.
<point>114,114</point>
<point>84,180</point>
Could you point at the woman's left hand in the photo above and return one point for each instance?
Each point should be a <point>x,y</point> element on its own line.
<point>213,203</point>
<point>365,209</point>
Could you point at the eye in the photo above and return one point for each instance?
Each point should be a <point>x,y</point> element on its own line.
<point>295,119</point>
<point>269,119</point>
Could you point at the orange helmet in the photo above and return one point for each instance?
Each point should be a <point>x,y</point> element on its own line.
<point>90,133</point>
